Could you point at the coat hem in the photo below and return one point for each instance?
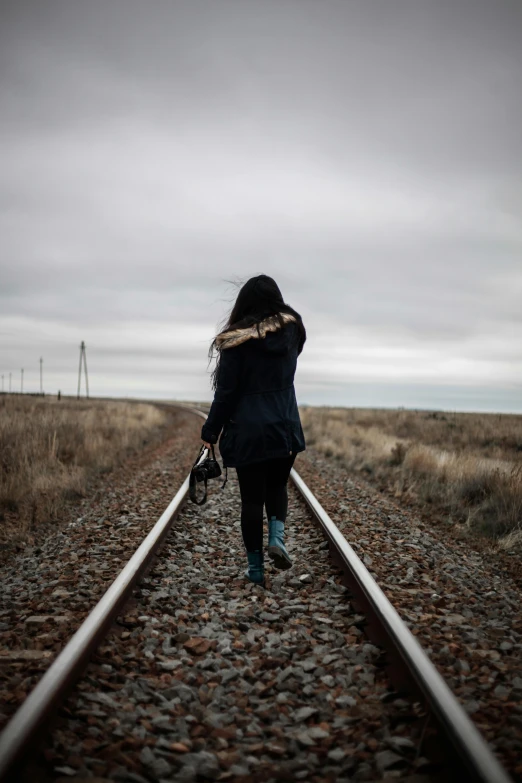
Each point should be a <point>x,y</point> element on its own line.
<point>263,459</point>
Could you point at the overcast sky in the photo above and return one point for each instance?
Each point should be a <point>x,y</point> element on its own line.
<point>365,153</point>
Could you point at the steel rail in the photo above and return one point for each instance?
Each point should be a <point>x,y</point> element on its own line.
<point>468,748</point>
<point>31,719</point>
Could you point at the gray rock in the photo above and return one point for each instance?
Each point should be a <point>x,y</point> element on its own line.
<point>239,770</point>
<point>147,756</point>
<point>268,617</point>
<point>345,701</point>
<point>160,768</point>
<point>364,772</point>
<point>101,698</point>
<point>169,666</point>
<point>181,691</point>
<point>304,739</point>
<point>337,754</point>
<point>214,719</point>
<point>304,713</point>
<point>228,675</point>
<point>328,680</point>
<point>188,772</point>
<point>401,743</point>
<point>472,706</point>
<point>317,733</point>
<point>330,659</point>
<point>65,770</point>
<point>387,759</point>
<point>207,764</point>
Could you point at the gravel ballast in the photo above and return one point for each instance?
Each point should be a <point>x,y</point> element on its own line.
<point>210,677</point>
<point>206,676</point>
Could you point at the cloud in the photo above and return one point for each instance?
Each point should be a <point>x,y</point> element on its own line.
<point>365,155</point>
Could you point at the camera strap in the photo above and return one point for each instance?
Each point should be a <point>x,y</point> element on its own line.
<point>193,482</point>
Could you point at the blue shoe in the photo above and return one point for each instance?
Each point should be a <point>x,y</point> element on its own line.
<point>276,547</point>
<point>256,567</point>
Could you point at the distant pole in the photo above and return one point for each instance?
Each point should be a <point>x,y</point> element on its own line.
<point>80,372</point>
<point>10,383</point>
<point>85,368</point>
<point>86,376</point>
<point>22,382</point>
<point>2,382</point>
<point>41,376</point>
<point>83,356</point>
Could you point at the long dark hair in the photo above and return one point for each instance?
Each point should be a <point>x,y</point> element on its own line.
<point>257,299</point>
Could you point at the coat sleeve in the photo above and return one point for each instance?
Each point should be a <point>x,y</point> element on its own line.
<point>226,394</point>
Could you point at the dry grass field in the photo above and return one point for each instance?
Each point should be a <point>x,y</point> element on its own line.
<point>49,451</point>
<point>467,466</point>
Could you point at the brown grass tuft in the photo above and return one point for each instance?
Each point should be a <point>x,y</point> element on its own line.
<point>468,465</point>
<point>49,450</point>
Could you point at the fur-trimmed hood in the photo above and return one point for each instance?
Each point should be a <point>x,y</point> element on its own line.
<point>237,336</point>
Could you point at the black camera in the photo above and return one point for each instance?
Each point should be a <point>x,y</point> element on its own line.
<point>207,469</point>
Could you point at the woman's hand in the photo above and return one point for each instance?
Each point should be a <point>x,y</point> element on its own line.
<point>207,445</point>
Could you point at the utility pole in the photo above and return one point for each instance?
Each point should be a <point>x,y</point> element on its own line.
<point>22,382</point>
<point>85,367</point>
<point>41,377</point>
<point>2,382</point>
<point>10,383</point>
<point>83,357</point>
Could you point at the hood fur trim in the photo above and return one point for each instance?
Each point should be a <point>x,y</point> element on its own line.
<point>237,336</point>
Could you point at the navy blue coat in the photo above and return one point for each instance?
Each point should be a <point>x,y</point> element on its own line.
<point>254,406</point>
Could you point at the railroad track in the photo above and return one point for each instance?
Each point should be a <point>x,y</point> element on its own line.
<point>433,725</point>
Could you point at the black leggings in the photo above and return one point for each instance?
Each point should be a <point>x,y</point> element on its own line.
<point>262,484</point>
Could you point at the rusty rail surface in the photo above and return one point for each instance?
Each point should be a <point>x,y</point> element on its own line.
<point>467,753</point>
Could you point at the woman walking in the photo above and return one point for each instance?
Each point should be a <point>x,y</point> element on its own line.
<point>254,412</point>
